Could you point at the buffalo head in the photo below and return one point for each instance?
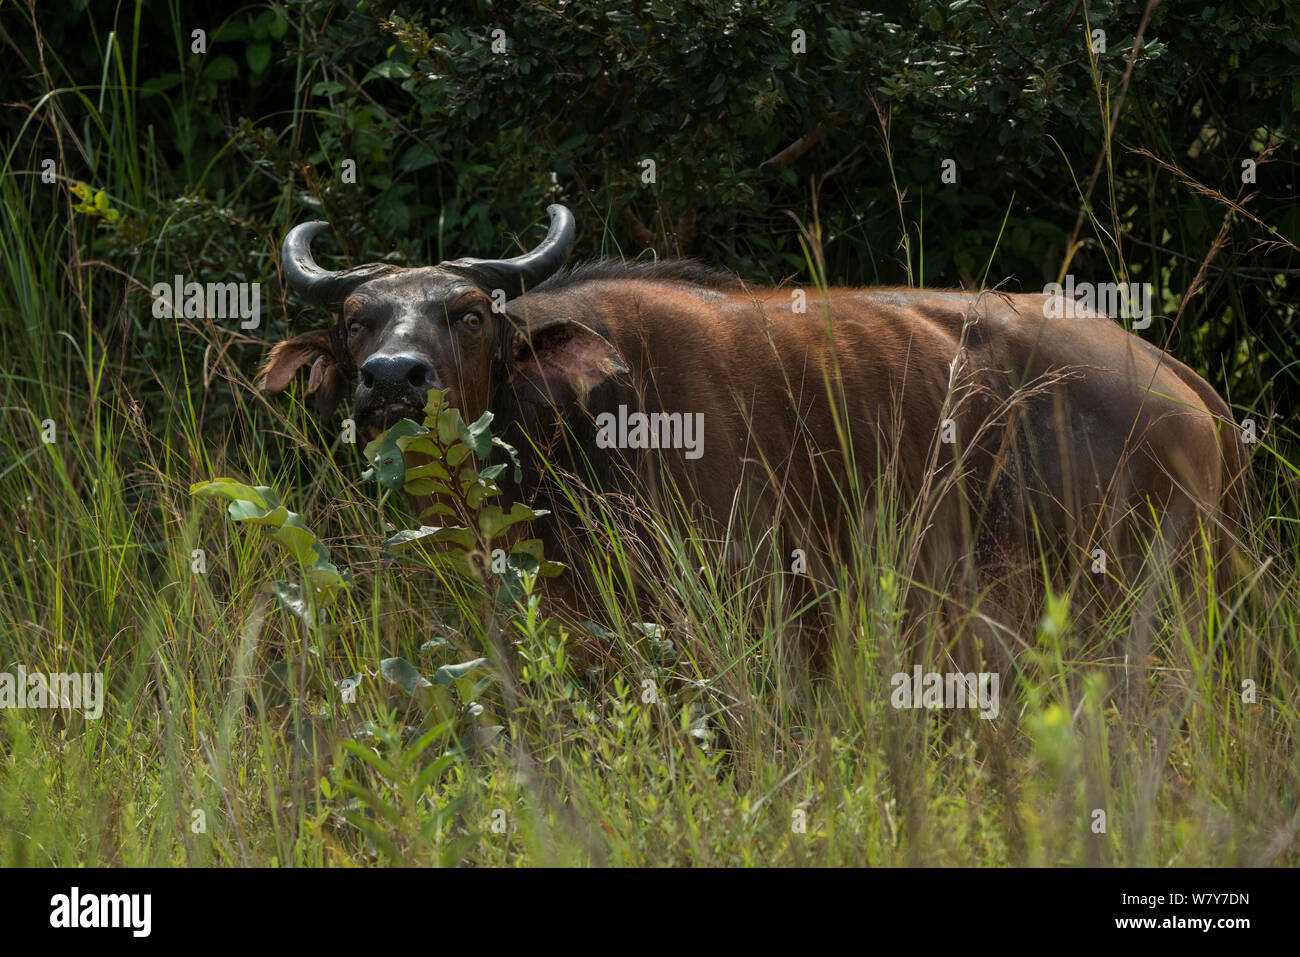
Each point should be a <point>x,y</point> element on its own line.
<point>403,331</point>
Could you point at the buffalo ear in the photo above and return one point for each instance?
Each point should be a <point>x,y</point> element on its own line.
<point>326,380</point>
<point>560,361</point>
<point>328,383</point>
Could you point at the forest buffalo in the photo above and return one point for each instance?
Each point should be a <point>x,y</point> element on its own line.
<point>776,413</point>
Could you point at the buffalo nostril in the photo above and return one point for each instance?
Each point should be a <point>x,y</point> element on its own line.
<point>399,377</point>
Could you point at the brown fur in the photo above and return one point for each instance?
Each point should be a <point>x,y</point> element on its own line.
<point>1069,431</point>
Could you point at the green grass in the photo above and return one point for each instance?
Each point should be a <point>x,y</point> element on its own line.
<point>720,751</point>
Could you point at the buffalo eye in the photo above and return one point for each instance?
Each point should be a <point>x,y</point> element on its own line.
<point>471,320</point>
<point>352,318</point>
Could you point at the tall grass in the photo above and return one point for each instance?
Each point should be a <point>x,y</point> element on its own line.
<point>699,738</point>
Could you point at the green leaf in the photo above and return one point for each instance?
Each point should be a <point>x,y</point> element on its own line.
<point>325,577</point>
<point>422,444</point>
<point>514,457</point>
<point>327,88</point>
<point>434,404</point>
<point>245,511</point>
<point>230,31</point>
<point>402,673</point>
<point>221,68</point>
<point>455,534</point>
<point>477,436</point>
<point>474,497</point>
<point>299,539</point>
<point>429,470</point>
<point>417,158</point>
<point>600,632</point>
<point>258,56</point>
<point>433,644</point>
<point>492,521</point>
<point>260,505</point>
<point>290,597</point>
<point>389,70</point>
<point>386,455</point>
<point>422,487</point>
<point>532,549</point>
<point>449,425</point>
<point>229,488</point>
<point>438,508</point>
<point>448,673</point>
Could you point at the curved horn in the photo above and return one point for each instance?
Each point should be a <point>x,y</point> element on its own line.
<point>321,286</point>
<point>526,271</point>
